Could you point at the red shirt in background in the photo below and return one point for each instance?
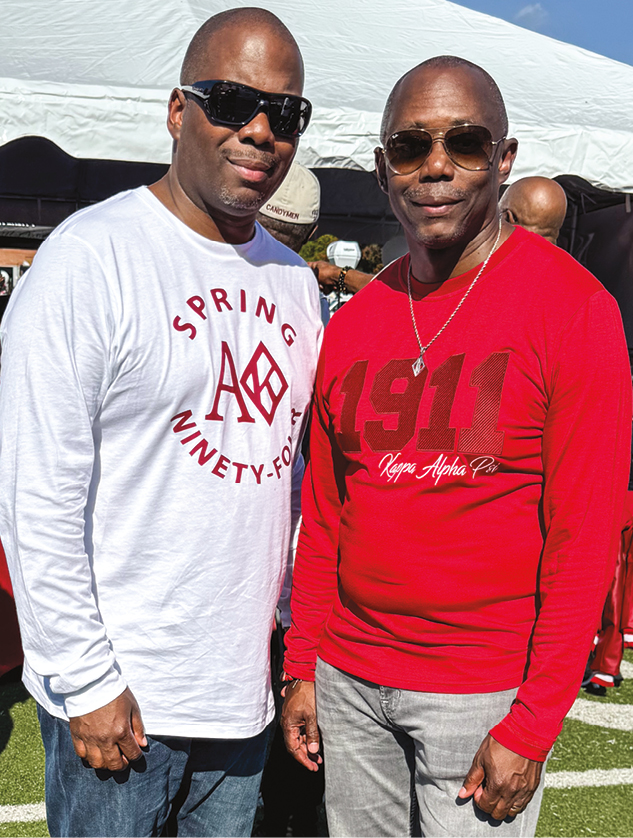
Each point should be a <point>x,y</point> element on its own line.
<point>10,646</point>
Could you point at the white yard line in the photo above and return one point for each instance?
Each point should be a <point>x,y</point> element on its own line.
<point>23,814</point>
<point>597,777</point>
<point>553,780</point>
<point>626,669</point>
<point>617,716</point>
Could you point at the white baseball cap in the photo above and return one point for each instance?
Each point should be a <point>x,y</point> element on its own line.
<point>297,200</point>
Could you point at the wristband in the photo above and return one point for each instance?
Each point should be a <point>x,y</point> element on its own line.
<point>341,288</point>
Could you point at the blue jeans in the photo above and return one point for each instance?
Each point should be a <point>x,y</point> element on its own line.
<point>210,786</point>
<point>395,759</point>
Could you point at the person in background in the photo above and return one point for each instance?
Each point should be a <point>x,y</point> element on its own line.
<point>537,204</point>
<point>152,404</point>
<point>458,537</point>
<point>616,628</point>
<point>291,215</point>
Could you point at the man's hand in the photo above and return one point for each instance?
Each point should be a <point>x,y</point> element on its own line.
<point>501,782</point>
<point>326,275</point>
<point>299,724</point>
<point>112,736</point>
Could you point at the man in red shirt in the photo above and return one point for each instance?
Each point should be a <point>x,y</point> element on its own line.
<point>469,459</point>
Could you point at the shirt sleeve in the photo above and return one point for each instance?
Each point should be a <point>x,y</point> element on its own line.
<point>586,458</point>
<point>315,573</point>
<point>56,362</point>
<point>298,470</point>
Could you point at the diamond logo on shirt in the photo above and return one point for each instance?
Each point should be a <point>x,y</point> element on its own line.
<point>264,382</point>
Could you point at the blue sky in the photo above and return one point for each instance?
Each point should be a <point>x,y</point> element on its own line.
<point>604,26</point>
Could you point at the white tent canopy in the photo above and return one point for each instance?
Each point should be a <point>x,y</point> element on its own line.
<point>94,78</point>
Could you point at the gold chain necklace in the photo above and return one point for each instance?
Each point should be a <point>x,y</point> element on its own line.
<point>418,365</point>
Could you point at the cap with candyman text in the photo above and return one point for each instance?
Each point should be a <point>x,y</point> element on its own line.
<point>297,200</point>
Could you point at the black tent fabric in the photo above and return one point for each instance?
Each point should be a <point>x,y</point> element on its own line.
<point>354,207</point>
<point>41,184</point>
<point>598,232</point>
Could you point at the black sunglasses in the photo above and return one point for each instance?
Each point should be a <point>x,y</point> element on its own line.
<point>231,103</point>
<point>468,146</point>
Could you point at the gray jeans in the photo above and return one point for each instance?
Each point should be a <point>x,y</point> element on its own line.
<point>396,759</point>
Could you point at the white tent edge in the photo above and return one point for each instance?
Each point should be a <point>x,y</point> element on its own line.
<point>571,110</point>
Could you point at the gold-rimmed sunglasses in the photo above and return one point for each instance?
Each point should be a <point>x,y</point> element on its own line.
<point>470,147</point>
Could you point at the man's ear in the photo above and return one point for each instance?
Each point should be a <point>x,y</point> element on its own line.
<point>381,169</point>
<point>509,216</point>
<point>175,111</point>
<point>506,159</point>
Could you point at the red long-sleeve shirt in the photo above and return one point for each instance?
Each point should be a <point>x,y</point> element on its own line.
<point>460,527</point>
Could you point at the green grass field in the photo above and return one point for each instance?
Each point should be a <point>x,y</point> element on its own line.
<point>592,810</point>
<point>21,757</point>
<point>589,810</point>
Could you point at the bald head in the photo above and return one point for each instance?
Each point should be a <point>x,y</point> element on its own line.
<point>536,203</point>
<point>484,87</point>
<point>249,21</point>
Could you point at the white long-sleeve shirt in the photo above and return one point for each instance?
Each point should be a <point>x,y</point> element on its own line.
<point>153,394</point>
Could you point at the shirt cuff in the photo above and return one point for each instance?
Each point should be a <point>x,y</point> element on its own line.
<point>303,673</point>
<point>95,695</point>
<point>518,745</point>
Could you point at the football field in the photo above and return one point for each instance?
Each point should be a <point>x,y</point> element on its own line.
<point>589,783</point>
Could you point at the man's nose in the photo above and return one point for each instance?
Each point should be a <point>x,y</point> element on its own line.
<point>438,163</point>
<point>258,130</point>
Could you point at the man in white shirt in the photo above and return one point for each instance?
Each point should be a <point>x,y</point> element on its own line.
<point>157,367</point>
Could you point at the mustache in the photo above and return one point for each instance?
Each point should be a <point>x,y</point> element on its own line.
<point>421,192</point>
<point>265,157</point>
